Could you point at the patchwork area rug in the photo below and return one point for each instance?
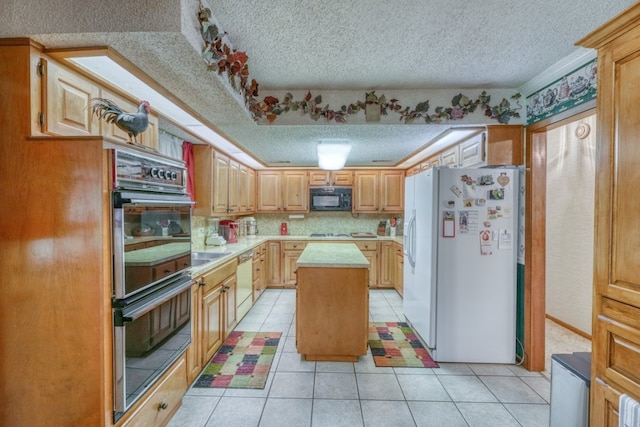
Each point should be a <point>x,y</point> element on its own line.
<point>394,344</point>
<point>243,361</point>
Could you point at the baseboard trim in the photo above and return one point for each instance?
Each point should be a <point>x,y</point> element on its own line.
<point>569,327</point>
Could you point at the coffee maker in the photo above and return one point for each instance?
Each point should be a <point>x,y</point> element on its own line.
<point>229,230</point>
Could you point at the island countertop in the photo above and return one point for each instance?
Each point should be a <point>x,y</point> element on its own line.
<point>336,255</point>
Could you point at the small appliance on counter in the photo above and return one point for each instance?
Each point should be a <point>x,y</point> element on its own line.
<point>251,227</point>
<point>229,230</point>
<point>215,240</point>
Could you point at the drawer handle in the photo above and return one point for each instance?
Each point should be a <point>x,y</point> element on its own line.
<point>167,271</point>
<point>201,282</point>
<point>162,405</point>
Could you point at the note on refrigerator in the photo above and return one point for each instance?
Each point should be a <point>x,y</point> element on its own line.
<point>505,239</point>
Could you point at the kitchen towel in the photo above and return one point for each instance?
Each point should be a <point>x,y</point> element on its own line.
<point>628,412</point>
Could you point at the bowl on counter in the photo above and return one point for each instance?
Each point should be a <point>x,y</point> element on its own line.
<point>143,230</point>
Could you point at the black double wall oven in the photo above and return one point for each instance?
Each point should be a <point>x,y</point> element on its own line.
<point>151,242</point>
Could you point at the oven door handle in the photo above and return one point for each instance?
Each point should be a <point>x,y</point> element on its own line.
<point>134,311</point>
<point>121,198</point>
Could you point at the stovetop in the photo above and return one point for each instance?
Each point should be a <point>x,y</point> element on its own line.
<point>328,235</point>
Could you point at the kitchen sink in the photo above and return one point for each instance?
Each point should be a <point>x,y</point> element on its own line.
<point>200,258</point>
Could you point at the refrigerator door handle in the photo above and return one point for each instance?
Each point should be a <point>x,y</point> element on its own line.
<point>411,247</point>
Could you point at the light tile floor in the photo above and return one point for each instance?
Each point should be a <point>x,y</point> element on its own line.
<point>301,393</point>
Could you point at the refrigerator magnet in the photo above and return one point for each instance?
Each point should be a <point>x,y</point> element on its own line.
<point>503,179</point>
<point>486,248</point>
<point>456,190</point>
<point>496,194</point>
<point>448,224</point>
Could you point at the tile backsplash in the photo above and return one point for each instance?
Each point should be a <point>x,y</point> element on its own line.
<point>312,222</point>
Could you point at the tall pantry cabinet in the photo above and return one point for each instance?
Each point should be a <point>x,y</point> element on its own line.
<point>55,307</point>
<point>616,305</point>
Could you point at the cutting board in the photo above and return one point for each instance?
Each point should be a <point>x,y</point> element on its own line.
<point>363,235</point>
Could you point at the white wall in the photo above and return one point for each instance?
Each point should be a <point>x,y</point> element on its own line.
<point>570,211</point>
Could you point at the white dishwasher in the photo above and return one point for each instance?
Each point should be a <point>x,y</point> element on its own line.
<point>244,276</point>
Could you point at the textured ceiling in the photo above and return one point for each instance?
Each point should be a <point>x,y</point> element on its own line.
<point>410,50</point>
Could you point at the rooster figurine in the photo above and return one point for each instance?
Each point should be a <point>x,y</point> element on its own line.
<point>132,123</point>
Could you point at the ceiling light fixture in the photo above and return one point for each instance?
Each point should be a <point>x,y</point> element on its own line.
<point>332,155</point>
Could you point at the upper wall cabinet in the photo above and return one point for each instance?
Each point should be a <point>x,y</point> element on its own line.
<point>378,191</point>
<point>65,97</point>
<point>283,191</point>
<point>336,178</point>
<point>222,184</point>
<point>497,145</point>
<point>64,109</point>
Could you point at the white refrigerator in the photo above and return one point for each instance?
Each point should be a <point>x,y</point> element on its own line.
<point>460,247</point>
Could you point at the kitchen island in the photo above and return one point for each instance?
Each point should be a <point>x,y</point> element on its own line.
<point>332,305</point>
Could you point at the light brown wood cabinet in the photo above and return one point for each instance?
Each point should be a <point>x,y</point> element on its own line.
<point>497,145</point>
<point>336,178</point>
<point>387,267</point>
<point>222,185</point>
<point>378,191</point>
<point>65,96</point>
<point>283,191</point>
<point>273,260</point>
<point>291,251</point>
<point>370,251</point>
<point>616,304</point>
<point>216,294</point>
<point>259,273</point>
<point>399,283</point>
<point>247,177</point>
<point>336,300</point>
<point>163,401</point>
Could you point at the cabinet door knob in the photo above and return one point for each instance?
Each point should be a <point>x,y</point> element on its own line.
<point>162,405</point>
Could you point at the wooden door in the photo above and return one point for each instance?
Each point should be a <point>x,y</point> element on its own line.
<point>472,151</point>
<point>296,191</point>
<point>65,98</point>
<point>505,145</point>
<point>399,285</point>
<point>342,178</point>
<point>273,276</point>
<point>387,270</point>
<point>230,295</point>
<point>366,192</point>
<point>392,191</point>
<point>616,306</point>
<point>233,201</point>
<point>212,326</point>
<point>220,182</point>
<point>319,178</point>
<point>269,191</point>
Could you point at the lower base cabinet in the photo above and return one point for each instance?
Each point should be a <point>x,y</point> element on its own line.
<point>332,313</point>
<point>163,402</point>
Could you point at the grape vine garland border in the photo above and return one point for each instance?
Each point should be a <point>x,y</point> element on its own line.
<point>222,58</point>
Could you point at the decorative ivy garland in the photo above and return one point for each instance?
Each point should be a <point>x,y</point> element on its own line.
<point>222,58</point>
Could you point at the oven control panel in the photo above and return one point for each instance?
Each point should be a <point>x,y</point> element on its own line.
<point>147,172</point>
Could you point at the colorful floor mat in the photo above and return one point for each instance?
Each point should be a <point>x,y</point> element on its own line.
<point>243,361</point>
<point>394,344</point>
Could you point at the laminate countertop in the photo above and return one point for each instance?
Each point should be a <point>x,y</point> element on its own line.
<point>336,255</point>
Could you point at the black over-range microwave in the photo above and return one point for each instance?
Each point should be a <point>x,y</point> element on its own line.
<point>330,198</point>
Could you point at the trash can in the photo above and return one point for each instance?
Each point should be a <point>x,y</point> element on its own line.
<point>570,383</point>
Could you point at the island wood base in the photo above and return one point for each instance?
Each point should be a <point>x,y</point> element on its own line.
<point>332,313</point>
